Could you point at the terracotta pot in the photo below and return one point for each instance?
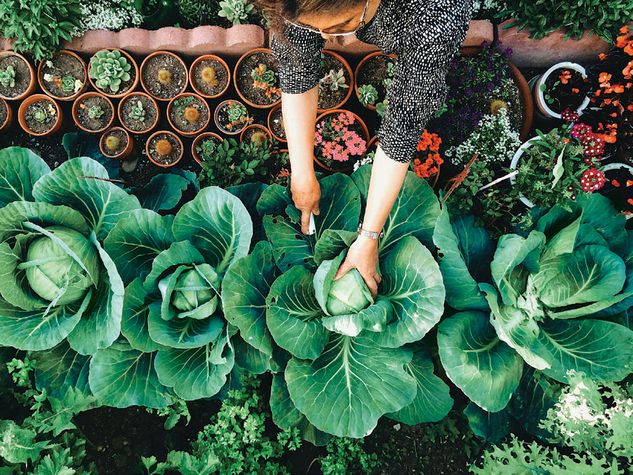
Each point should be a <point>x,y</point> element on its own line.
<point>31,87</point>
<point>217,121</point>
<point>202,127</point>
<point>30,100</point>
<point>235,75</point>
<point>171,134</point>
<point>126,152</point>
<point>40,79</point>
<point>373,141</point>
<point>131,88</point>
<point>9,117</point>
<point>192,75</point>
<point>350,73</point>
<point>269,122</point>
<point>365,136</point>
<point>184,66</point>
<point>130,96</point>
<point>75,110</point>
<point>199,139</point>
<point>539,97</point>
<point>261,129</point>
<point>359,67</point>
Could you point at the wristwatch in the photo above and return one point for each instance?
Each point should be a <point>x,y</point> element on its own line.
<point>370,234</point>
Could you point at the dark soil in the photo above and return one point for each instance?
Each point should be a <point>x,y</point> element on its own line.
<point>143,173</point>
<point>224,124</point>
<point>178,81</point>
<point>90,123</point>
<point>244,81</point>
<point>561,94</point>
<point>3,113</point>
<point>51,116</point>
<point>277,124</point>
<point>167,159</point>
<point>137,125</point>
<point>248,134</point>
<point>221,76</point>
<point>329,99</point>
<point>63,65</point>
<point>619,188</point>
<point>22,76</point>
<point>125,85</point>
<point>178,110</point>
<point>374,72</point>
<point>123,141</point>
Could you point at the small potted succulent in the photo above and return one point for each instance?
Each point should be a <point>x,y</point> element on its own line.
<point>40,115</point>
<point>374,76</point>
<point>188,114</point>
<point>6,115</point>
<point>335,87</point>
<point>93,112</point>
<point>164,75</point>
<point>210,76</point>
<point>276,124</point>
<point>340,140</point>
<point>113,72</point>
<point>138,112</point>
<point>231,117</point>
<point>164,149</point>
<point>64,76</point>
<point>562,86</point>
<point>256,134</point>
<point>256,79</point>
<point>203,143</point>
<point>619,186</point>
<point>17,78</point>
<point>116,143</point>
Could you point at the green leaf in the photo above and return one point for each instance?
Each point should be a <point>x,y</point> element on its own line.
<point>59,369</point>
<point>273,200</point>
<point>290,246</point>
<point>134,323</point>
<point>182,333</point>
<point>179,253</point>
<point>20,168</point>
<point>339,206</point>
<point>490,426</point>
<point>559,169</point>
<point>18,445</point>
<point>487,370</point>
<point>249,358</point>
<point>331,243</point>
<point>351,385</point>
<point>163,192</point>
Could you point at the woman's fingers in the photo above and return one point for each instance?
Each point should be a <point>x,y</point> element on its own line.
<point>344,269</point>
<point>305,221</point>
<point>371,282</point>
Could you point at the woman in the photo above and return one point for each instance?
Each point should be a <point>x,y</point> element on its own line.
<point>425,34</point>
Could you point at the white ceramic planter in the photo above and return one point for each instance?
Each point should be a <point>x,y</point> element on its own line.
<point>514,164</point>
<point>539,97</point>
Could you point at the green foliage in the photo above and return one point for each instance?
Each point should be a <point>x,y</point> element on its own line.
<point>236,11</point>
<point>40,115</point>
<point>348,456</point>
<point>574,17</point>
<point>198,12</point>
<point>40,27</point>
<point>173,413</point>
<point>95,112</point>
<point>381,107</point>
<point>367,94</point>
<point>236,111</point>
<point>7,77</point>
<point>334,80</point>
<point>264,76</point>
<point>68,84</point>
<point>137,112</point>
<point>109,69</point>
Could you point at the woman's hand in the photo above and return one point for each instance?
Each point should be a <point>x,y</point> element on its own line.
<point>306,193</point>
<point>363,256</point>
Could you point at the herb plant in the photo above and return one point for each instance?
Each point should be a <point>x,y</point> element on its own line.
<point>109,69</point>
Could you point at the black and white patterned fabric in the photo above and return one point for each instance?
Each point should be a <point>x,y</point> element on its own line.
<point>425,34</point>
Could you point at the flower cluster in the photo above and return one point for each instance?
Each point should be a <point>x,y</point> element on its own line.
<point>336,139</point>
<point>592,180</point>
<point>109,15</point>
<point>427,161</point>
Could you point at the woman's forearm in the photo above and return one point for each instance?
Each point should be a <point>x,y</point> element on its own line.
<point>299,112</point>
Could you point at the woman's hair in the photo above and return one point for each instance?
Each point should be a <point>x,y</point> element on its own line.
<point>277,10</point>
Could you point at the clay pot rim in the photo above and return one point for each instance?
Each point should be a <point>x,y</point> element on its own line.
<point>352,80</point>
<point>197,141</point>
<point>169,109</point>
<point>122,153</point>
<point>27,102</point>
<point>360,65</point>
<point>149,155</point>
<point>9,115</point>
<point>363,127</point>
<point>29,90</point>
<point>257,126</point>
<point>269,123</point>
<point>217,123</point>
<point>134,84</point>
<point>542,104</point>
<point>40,79</point>
<point>120,112</point>
<point>213,57</point>
<point>87,95</point>
<point>237,89</point>
<point>169,53</point>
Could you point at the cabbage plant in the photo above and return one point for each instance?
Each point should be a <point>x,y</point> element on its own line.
<point>342,358</point>
<point>551,299</point>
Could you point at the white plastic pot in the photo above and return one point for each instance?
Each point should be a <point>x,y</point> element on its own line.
<point>514,164</point>
<point>539,97</point>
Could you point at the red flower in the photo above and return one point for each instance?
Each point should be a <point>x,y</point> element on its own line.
<point>580,131</point>
<point>593,146</point>
<point>592,180</point>
<point>569,115</point>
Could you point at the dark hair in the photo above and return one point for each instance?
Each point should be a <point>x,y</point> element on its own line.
<point>277,10</point>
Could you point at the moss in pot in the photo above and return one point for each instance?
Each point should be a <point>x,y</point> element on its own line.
<point>16,76</point>
<point>63,76</point>
<point>164,75</point>
<point>138,113</point>
<point>189,114</point>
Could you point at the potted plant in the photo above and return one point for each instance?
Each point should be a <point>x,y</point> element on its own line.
<point>64,76</point>
<point>276,124</point>
<point>619,186</point>
<point>164,149</point>
<point>256,79</point>
<point>116,143</point>
<point>340,140</point>
<point>17,78</point>
<point>202,143</point>
<point>93,112</point>
<point>231,117</point>
<point>256,134</point>
<point>113,72</point>
<point>164,75</point>
<point>562,86</point>
<point>6,115</point>
<point>210,76</point>
<point>427,160</point>
<point>189,114</point>
<point>138,112</point>
<point>374,75</point>
<point>40,115</point>
<point>335,87</point>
